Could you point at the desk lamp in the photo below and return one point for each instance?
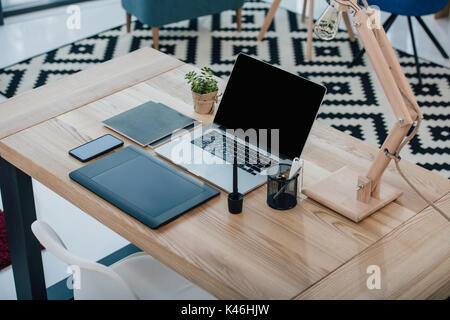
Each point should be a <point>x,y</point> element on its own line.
<point>348,191</point>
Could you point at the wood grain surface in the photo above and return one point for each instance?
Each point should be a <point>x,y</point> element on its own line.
<point>68,93</point>
<point>414,262</point>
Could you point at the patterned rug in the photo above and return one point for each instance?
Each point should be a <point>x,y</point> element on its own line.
<point>355,102</point>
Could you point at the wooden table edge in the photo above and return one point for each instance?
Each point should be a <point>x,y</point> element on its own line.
<point>108,87</point>
<point>393,231</point>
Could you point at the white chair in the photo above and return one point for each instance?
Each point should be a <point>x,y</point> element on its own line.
<point>137,276</point>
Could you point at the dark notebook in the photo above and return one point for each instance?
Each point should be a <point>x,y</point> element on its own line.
<point>149,124</point>
<point>146,187</point>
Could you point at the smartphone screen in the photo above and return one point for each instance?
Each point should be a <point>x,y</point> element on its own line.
<point>95,148</point>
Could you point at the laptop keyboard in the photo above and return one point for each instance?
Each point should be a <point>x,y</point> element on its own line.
<point>223,147</point>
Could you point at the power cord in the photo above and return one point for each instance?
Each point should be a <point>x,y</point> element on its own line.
<point>396,158</point>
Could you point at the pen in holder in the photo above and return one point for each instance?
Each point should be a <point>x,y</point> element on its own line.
<point>282,191</point>
<point>235,199</point>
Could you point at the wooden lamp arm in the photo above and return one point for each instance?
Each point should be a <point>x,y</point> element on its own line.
<point>381,161</point>
<point>398,92</point>
<point>377,38</point>
<point>381,67</point>
<point>337,191</point>
<point>398,133</point>
<point>396,88</point>
<point>396,69</point>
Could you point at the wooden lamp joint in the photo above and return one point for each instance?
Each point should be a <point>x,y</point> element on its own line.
<point>364,189</point>
<point>353,4</point>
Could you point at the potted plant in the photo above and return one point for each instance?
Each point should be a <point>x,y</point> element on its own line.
<point>204,90</point>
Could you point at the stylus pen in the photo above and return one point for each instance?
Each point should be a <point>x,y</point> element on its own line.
<point>235,199</point>
<point>235,171</point>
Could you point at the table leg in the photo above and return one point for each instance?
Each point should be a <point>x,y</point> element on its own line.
<point>18,203</point>
<point>269,18</point>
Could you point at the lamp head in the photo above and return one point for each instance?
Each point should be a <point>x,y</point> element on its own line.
<point>327,25</point>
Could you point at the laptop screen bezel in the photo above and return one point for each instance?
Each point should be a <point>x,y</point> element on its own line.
<point>241,59</point>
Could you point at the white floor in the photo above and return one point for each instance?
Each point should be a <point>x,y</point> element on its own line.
<point>28,35</point>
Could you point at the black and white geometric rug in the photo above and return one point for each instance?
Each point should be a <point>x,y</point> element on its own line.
<point>355,102</point>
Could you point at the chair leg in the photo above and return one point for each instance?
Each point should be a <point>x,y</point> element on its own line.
<point>128,22</point>
<point>348,25</point>
<point>310,31</point>
<point>239,19</point>
<point>155,33</point>
<point>269,18</point>
<point>304,11</point>
<point>419,76</point>
<point>1,14</point>
<point>444,13</point>
<point>432,37</point>
<point>386,26</point>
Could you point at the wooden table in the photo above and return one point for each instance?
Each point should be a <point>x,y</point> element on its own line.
<point>307,252</point>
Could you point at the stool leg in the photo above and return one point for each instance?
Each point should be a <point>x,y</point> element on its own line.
<point>444,13</point>
<point>128,22</point>
<point>432,37</point>
<point>155,32</point>
<point>269,18</point>
<point>386,26</point>
<point>304,11</point>
<point>310,31</point>
<point>419,76</point>
<point>239,19</point>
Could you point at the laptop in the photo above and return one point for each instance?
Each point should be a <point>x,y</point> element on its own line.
<point>264,119</point>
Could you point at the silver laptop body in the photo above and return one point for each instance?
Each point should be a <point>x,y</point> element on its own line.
<point>204,162</point>
<point>258,97</point>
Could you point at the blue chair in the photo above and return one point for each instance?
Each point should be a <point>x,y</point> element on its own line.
<point>157,13</point>
<point>409,8</point>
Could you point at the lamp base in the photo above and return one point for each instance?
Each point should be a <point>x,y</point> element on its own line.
<point>338,192</point>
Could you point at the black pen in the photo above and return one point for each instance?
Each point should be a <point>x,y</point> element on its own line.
<point>235,199</point>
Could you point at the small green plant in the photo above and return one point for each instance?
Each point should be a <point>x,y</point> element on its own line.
<point>202,83</point>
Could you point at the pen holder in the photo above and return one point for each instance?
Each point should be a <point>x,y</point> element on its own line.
<point>281,191</point>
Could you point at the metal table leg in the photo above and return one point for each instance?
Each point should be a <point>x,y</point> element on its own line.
<point>18,203</point>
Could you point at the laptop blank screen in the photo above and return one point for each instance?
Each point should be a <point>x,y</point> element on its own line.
<point>261,96</point>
